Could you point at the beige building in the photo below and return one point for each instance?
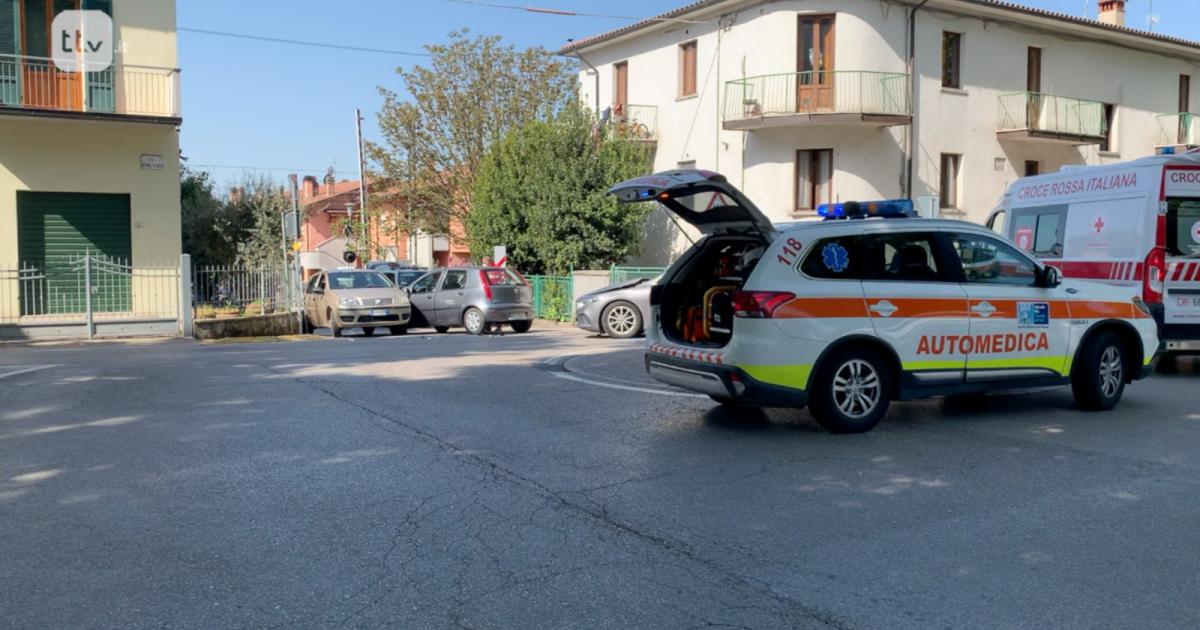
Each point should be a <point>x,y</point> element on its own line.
<point>89,162</point>
<point>800,102</point>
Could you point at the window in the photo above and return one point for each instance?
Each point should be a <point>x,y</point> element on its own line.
<point>1183,227</point>
<point>503,278</point>
<point>814,178</point>
<point>687,69</point>
<point>1108,145</point>
<point>427,283</point>
<point>620,87</point>
<point>988,261</point>
<point>951,60</point>
<point>456,279</point>
<point>1032,167</point>
<point>312,284</point>
<point>949,190</point>
<point>1039,231</point>
<point>833,258</point>
<point>1185,106</point>
<point>907,256</point>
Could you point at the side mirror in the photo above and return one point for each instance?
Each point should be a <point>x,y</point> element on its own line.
<point>1050,277</point>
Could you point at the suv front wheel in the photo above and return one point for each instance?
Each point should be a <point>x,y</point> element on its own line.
<point>850,391</point>
<point>1098,380</point>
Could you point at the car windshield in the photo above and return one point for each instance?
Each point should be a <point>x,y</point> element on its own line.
<point>358,280</point>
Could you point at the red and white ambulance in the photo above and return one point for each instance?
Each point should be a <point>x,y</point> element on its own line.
<point>1133,223</point>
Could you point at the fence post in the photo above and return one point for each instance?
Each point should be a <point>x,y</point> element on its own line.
<point>185,295</point>
<point>87,294</point>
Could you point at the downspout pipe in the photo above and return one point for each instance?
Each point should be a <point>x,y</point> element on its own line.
<point>595,73</point>
<point>912,96</point>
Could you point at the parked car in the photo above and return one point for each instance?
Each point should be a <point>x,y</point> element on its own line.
<point>618,311</point>
<point>402,274</point>
<point>475,298</point>
<point>354,298</point>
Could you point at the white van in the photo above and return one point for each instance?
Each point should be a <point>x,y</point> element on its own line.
<point>1132,223</point>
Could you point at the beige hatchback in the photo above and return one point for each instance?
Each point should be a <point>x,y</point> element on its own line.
<point>354,298</point>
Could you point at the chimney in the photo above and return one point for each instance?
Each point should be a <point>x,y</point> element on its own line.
<point>1112,12</point>
<point>330,180</point>
<point>235,195</point>
<point>308,189</point>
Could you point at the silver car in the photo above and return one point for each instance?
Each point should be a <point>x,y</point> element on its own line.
<point>354,298</point>
<point>476,298</point>
<point>618,310</point>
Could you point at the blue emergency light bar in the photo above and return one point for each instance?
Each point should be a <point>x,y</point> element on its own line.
<point>887,208</point>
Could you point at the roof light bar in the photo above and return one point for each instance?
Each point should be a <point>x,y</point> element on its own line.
<point>887,208</point>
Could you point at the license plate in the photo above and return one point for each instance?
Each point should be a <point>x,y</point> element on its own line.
<point>379,312</point>
<point>518,316</point>
<point>1183,309</point>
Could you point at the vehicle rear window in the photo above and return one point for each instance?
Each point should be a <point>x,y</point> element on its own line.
<point>1183,227</point>
<point>502,277</point>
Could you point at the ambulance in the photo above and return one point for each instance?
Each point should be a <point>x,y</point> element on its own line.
<point>1134,224</point>
<point>846,314</point>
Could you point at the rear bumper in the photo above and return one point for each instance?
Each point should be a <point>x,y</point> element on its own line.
<point>720,380</point>
<point>501,313</point>
<point>1180,337</point>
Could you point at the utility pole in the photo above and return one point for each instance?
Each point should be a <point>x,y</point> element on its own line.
<point>362,186</point>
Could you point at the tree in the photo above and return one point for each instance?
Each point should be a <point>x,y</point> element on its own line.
<point>542,191</point>
<point>206,225</point>
<point>472,93</point>
<point>258,204</point>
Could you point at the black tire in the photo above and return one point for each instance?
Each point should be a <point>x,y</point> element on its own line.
<point>626,320</point>
<point>474,321</point>
<point>1098,379</point>
<point>726,401</point>
<point>337,332</point>
<point>521,326</point>
<point>851,391</point>
<point>368,330</point>
<point>441,330</point>
<point>306,327</point>
<point>399,330</point>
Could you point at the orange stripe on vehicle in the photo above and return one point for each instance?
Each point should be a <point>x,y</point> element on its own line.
<point>1103,310</point>
<point>925,307</point>
<point>799,308</point>
<point>1007,309</point>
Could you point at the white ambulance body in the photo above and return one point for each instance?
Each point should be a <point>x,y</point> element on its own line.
<point>1135,224</point>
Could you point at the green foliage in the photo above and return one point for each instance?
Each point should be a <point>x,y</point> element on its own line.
<point>210,231</point>
<point>541,191</point>
<point>261,203</point>
<point>473,92</point>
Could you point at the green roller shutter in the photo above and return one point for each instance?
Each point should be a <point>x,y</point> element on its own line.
<point>55,229</point>
<point>10,87</point>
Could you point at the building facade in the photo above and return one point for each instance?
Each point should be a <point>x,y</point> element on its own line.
<point>89,156</point>
<point>802,102</point>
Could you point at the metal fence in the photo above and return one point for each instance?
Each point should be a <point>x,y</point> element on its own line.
<point>637,122</point>
<point>826,92</point>
<point>553,297</point>
<point>1047,113</point>
<point>618,273</point>
<point>88,290</point>
<point>240,287</point>
<point>1178,130</point>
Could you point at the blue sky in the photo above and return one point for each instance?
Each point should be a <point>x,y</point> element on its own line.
<point>258,104</point>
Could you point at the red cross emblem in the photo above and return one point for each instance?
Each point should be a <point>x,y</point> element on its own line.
<point>1099,224</point>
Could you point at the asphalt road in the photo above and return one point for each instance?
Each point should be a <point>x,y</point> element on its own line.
<point>541,481</point>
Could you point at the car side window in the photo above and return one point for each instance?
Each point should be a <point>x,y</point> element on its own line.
<point>311,287</point>
<point>426,283</point>
<point>903,256</point>
<point>1039,231</point>
<point>986,260</point>
<point>321,282</point>
<point>456,279</point>
<point>833,259</point>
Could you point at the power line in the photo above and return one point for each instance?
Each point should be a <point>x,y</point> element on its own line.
<point>566,13</point>
<point>298,42</point>
<point>265,168</point>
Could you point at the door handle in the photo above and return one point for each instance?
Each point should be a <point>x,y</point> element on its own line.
<point>1072,291</point>
<point>983,309</point>
<point>883,308</point>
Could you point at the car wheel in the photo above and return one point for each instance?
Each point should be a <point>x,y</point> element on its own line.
<point>337,332</point>
<point>306,327</point>
<point>621,320</point>
<point>368,330</point>
<point>850,391</point>
<point>473,321</point>
<point>441,330</point>
<point>521,326</point>
<point>399,330</point>
<point>1098,380</point>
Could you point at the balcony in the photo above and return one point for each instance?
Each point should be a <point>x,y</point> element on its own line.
<point>1178,130</point>
<point>34,86</point>
<point>635,122</point>
<point>1033,116</point>
<point>851,97</point>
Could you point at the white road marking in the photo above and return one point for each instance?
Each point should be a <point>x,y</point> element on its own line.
<point>23,371</point>
<point>630,388</point>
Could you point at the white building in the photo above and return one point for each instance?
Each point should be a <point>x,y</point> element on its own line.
<point>799,102</point>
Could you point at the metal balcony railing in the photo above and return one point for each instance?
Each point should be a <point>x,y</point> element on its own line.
<point>638,122</point>
<point>37,83</point>
<point>1050,114</point>
<point>836,92</point>
<point>1181,129</point>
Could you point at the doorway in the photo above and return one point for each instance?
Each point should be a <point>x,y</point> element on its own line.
<point>815,75</point>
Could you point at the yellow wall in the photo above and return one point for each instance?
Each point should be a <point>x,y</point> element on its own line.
<point>58,155</point>
<point>146,33</point>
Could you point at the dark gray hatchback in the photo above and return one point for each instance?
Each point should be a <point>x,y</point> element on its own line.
<point>476,298</point>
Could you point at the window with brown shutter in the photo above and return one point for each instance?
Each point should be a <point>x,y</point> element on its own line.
<point>687,69</point>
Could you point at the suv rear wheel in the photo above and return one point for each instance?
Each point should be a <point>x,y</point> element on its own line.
<point>1098,380</point>
<point>850,391</point>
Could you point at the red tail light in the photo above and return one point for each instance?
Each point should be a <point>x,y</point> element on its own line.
<point>1153,282</point>
<point>759,304</point>
<point>487,284</point>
